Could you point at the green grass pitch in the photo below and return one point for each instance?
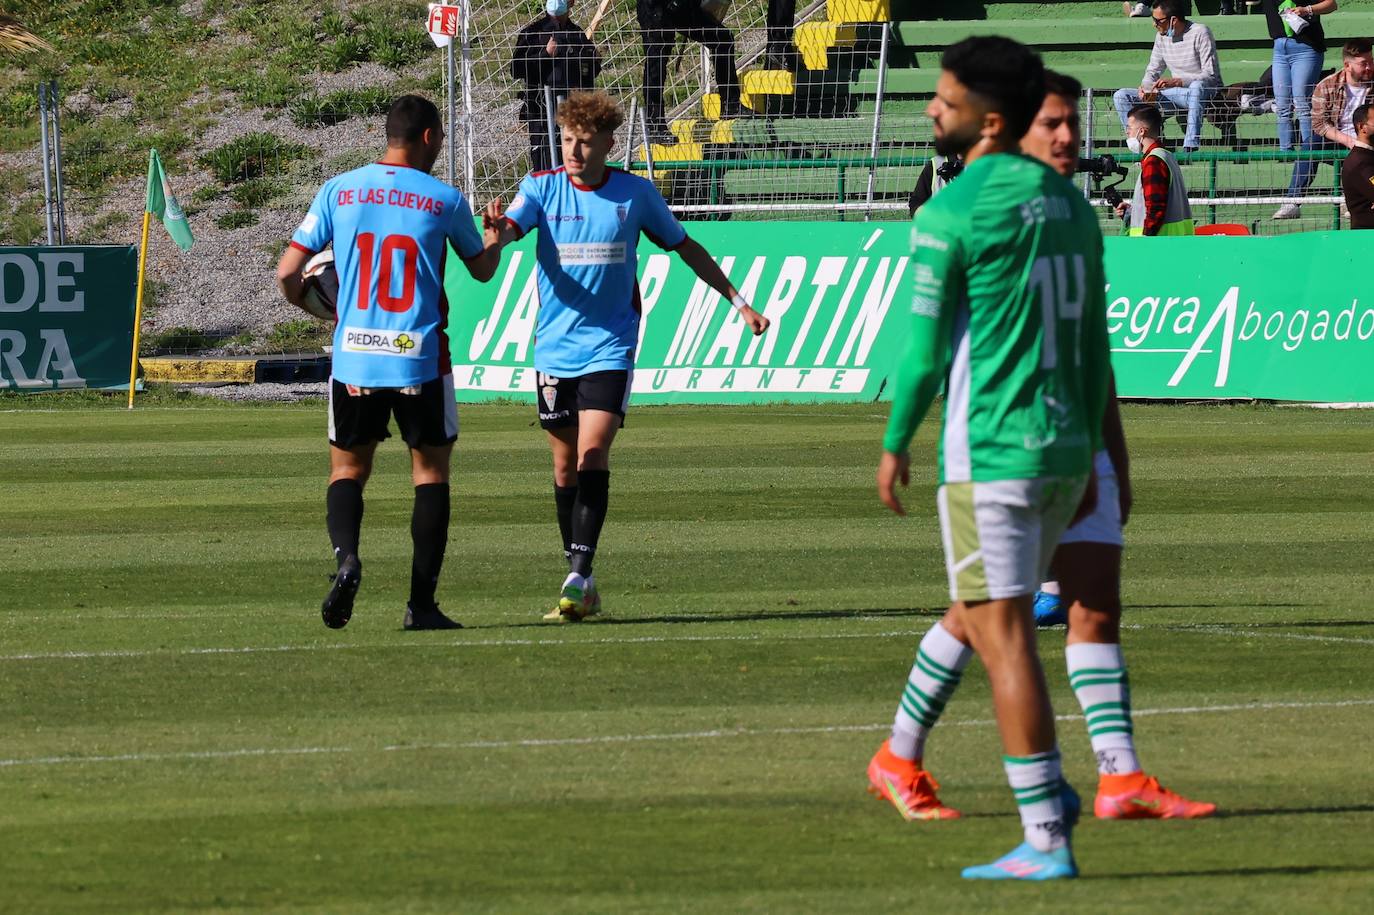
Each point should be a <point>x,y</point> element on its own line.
<point>179,732</point>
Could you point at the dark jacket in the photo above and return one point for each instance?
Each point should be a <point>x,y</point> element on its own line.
<point>1312,36</point>
<point>1357,180</point>
<point>573,66</point>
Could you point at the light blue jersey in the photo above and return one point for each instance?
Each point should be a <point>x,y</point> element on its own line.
<point>588,265</point>
<point>389,225</point>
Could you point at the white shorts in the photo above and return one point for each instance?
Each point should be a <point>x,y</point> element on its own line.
<point>999,536</point>
<point>1104,524</point>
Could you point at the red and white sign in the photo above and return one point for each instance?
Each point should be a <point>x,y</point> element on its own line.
<point>444,22</point>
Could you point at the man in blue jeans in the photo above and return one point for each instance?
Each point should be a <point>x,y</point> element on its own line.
<point>1333,103</point>
<point>1189,52</point>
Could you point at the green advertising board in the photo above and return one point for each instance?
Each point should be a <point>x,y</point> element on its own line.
<point>1212,318</point>
<point>66,317</point>
<point>1287,317</point>
<point>829,289</point>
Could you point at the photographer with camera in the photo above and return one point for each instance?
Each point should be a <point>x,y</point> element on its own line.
<point>1160,205</point>
<point>938,171</point>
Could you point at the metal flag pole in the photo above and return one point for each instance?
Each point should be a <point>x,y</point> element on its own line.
<point>451,103</point>
<point>1088,144</point>
<point>56,107</point>
<point>47,174</point>
<point>630,133</point>
<point>469,165</point>
<point>877,123</point>
<point>648,147</point>
<point>549,126</point>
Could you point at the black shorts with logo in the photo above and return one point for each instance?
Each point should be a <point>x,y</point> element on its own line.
<point>559,399</point>
<point>429,417</point>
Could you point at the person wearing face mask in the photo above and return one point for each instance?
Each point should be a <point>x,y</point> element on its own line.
<point>1189,52</point>
<point>551,51</point>
<point>1160,205</point>
<point>1333,105</point>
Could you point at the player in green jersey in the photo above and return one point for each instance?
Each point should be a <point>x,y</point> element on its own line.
<point>1088,565</point>
<point>1009,317</point>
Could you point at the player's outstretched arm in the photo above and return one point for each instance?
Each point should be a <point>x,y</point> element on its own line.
<point>699,259</point>
<point>291,275</point>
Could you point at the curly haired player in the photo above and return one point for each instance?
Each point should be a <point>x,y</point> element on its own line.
<point>589,217</point>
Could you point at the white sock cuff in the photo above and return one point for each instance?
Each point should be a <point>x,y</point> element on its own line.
<point>1050,587</point>
<point>1083,655</point>
<point>945,649</point>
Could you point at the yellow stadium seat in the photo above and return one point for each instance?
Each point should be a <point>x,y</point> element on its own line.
<point>858,10</point>
<point>815,39</point>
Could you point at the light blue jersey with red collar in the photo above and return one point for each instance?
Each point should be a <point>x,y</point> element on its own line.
<point>588,265</point>
<point>390,226</point>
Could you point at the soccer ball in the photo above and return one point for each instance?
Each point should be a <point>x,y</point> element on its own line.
<point>321,286</point>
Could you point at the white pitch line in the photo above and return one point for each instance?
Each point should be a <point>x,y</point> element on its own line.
<point>714,734</point>
<point>476,643</point>
<point>637,640</point>
<point>1256,633</point>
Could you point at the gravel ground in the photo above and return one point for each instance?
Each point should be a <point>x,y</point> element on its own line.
<point>267,393</point>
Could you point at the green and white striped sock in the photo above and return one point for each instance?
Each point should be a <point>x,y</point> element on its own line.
<point>1097,673</point>
<point>1038,783</point>
<point>940,662</point>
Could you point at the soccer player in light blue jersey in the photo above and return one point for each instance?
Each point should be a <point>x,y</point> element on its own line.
<point>390,224</point>
<point>589,217</point>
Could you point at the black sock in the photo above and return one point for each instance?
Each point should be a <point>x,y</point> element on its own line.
<point>429,534</point>
<point>589,513</point>
<point>344,516</point>
<point>564,497</point>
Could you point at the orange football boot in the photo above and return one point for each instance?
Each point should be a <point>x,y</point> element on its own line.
<point>907,786</point>
<point>1137,796</point>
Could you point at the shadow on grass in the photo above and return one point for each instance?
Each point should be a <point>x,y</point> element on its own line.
<point>1293,870</point>
<point>1294,811</point>
<point>1130,607</point>
<point>756,616</point>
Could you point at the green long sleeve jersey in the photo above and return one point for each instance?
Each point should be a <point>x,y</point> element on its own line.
<point>1008,313</point>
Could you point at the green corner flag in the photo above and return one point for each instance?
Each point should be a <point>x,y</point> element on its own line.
<point>162,203</point>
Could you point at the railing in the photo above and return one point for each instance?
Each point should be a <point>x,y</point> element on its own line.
<point>716,170</point>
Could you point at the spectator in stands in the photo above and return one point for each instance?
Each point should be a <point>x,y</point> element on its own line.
<point>551,51</point>
<point>1141,10</point>
<point>660,22</point>
<point>781,54</point>
<point>1298,54</point>
<point>939,171</point>
<point>1189,52</point>
<point>1357,174</point>
<point>1160,205</point>
<point>1333,110</point>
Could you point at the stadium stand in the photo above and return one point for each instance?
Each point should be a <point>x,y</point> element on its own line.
<point>815,146</point>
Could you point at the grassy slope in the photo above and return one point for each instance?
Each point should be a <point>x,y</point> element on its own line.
<point>754,589</point>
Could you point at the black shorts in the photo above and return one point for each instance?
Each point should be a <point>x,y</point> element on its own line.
<point>559,399</point>
<point>427,418</point>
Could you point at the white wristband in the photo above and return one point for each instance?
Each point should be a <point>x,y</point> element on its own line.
<point>739,303</point>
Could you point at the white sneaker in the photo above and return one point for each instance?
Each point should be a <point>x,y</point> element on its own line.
<point>1287,211</point>
<point>1134,10</point>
